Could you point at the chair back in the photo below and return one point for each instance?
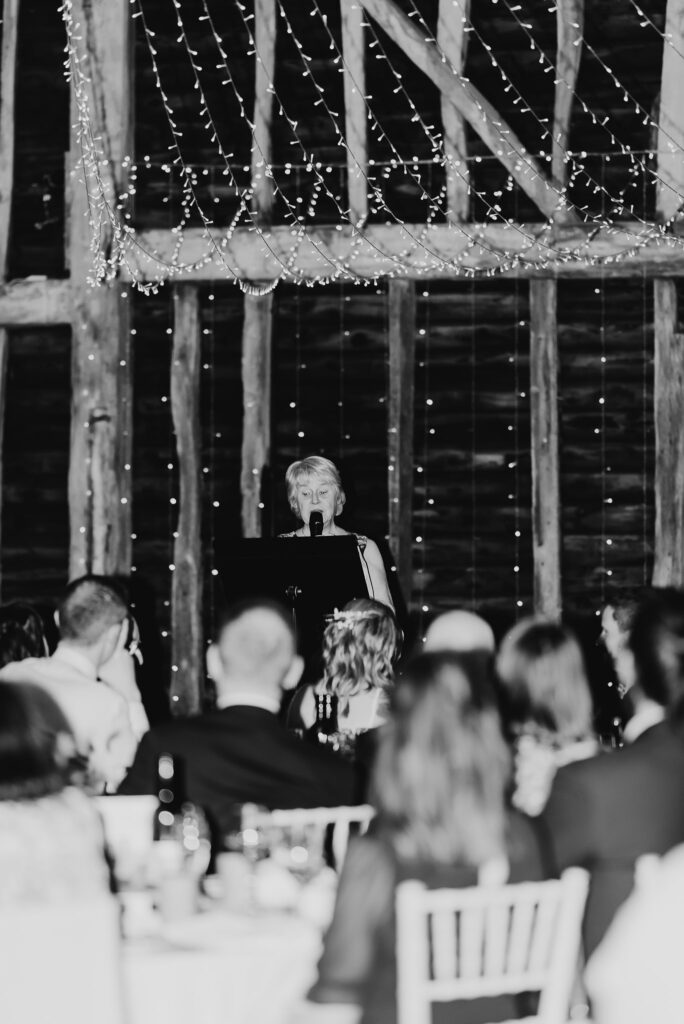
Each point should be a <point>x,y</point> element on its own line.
<point>341,821</point>
<point>487,941</point>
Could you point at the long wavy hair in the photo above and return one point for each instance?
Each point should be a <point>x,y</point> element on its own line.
<point>442,767</point>
<point>22,634</point>
<point>360,647</point>
<point>544,685</point>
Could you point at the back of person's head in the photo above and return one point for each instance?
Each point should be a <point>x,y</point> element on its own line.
<point>256,647</point>
<point>623,603</point>
<point>459,630</point>
<point>442,765</point>
<point>657,644</point>
<point>35,743</point>
<point>89,607</point>
<point>543,681</point>
<point>22,634</point>
<point>361,644</point>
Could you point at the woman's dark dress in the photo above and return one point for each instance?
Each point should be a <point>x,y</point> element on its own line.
<point>358,963</point>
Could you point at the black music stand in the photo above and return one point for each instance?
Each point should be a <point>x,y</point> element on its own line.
<point>311,576</point>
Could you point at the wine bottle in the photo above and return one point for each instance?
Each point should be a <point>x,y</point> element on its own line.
<point>326,717</point>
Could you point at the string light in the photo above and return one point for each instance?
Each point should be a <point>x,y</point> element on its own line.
<point>109,204</point>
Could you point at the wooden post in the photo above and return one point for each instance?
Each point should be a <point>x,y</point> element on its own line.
<point>569,30</point>
<point>544,448</point>
<point>402,348</point>
<point>670,179</point>
<point>8,78</point>
<point>100,454</point>
<point>186,587</point>
<point>256,391</point>
<point>262,142</point>
<point>355,109</point>
<point>668,388</point>
<point>452,40</point>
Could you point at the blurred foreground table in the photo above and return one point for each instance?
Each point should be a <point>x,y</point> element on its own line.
<point>222,968</point>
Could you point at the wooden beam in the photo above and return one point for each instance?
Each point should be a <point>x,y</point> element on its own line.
<point>670,181</point>
<point>419,252</point>
<point>569,32</point>
<point>496,134</point>
<point>355,114</point>
<point>452,40</point>
<point>262,141</point>
<point>546,545</point>
<point>402,347</point>
<point>256,391</point>
<point>35,302</point>
<point>186,586</point>
<point>101,420</point>
<point>668,388</point>
<point>8,78</point>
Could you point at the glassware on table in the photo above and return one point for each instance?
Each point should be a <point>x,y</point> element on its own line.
<point>299,849</point>
<point>244,845</point>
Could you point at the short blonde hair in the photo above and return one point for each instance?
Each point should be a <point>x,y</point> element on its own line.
<point>316,466</point>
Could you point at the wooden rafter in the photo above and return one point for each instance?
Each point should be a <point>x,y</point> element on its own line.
<point>569,31</point>
<point>414,251</point>
<point>353,52</point>
<point>471,104</point>
<point>452,40</point>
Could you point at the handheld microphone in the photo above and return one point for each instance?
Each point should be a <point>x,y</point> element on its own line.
<point>316,524</point>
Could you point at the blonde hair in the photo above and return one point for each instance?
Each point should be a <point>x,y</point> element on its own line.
<point>313,466</point>
<point>442,766</point>
<point>541,669</point>
<point>360,645</point>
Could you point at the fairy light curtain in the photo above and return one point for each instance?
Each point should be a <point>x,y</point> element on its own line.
<point>199,57</point>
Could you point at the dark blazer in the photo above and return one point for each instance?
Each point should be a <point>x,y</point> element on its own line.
<point>606,812</point>
<point>238,755</point>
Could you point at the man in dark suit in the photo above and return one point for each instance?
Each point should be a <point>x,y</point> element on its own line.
<point>241,753</point>
<point>605,812</point>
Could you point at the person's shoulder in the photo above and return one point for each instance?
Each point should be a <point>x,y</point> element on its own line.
<point>24,671</point>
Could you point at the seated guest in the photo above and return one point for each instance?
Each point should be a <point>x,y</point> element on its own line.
<point>360,646</point>
<point>21,633</point>
<point>546,701</point>
<point>459,630</point>
<point>439,789</point>
<point>605,812</point>
<point>59,923</point>
<point>241,753</point>
<point>92,620</point>
<point>51,841</point>
<point>635,975</point>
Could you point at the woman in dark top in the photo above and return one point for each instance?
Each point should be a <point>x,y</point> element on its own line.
<point>439,788</point>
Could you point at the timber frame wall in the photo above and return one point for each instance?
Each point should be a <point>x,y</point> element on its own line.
<point>101,432</point>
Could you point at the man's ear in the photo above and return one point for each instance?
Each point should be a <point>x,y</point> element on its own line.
<point>293,674</point>
<point>213,662</point>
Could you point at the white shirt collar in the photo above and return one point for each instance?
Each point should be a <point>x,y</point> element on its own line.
<point>245,699</point>
<point>648,713</point>
<point>69,655</point>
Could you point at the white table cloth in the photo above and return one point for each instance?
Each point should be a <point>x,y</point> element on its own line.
<point>221,968</point>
